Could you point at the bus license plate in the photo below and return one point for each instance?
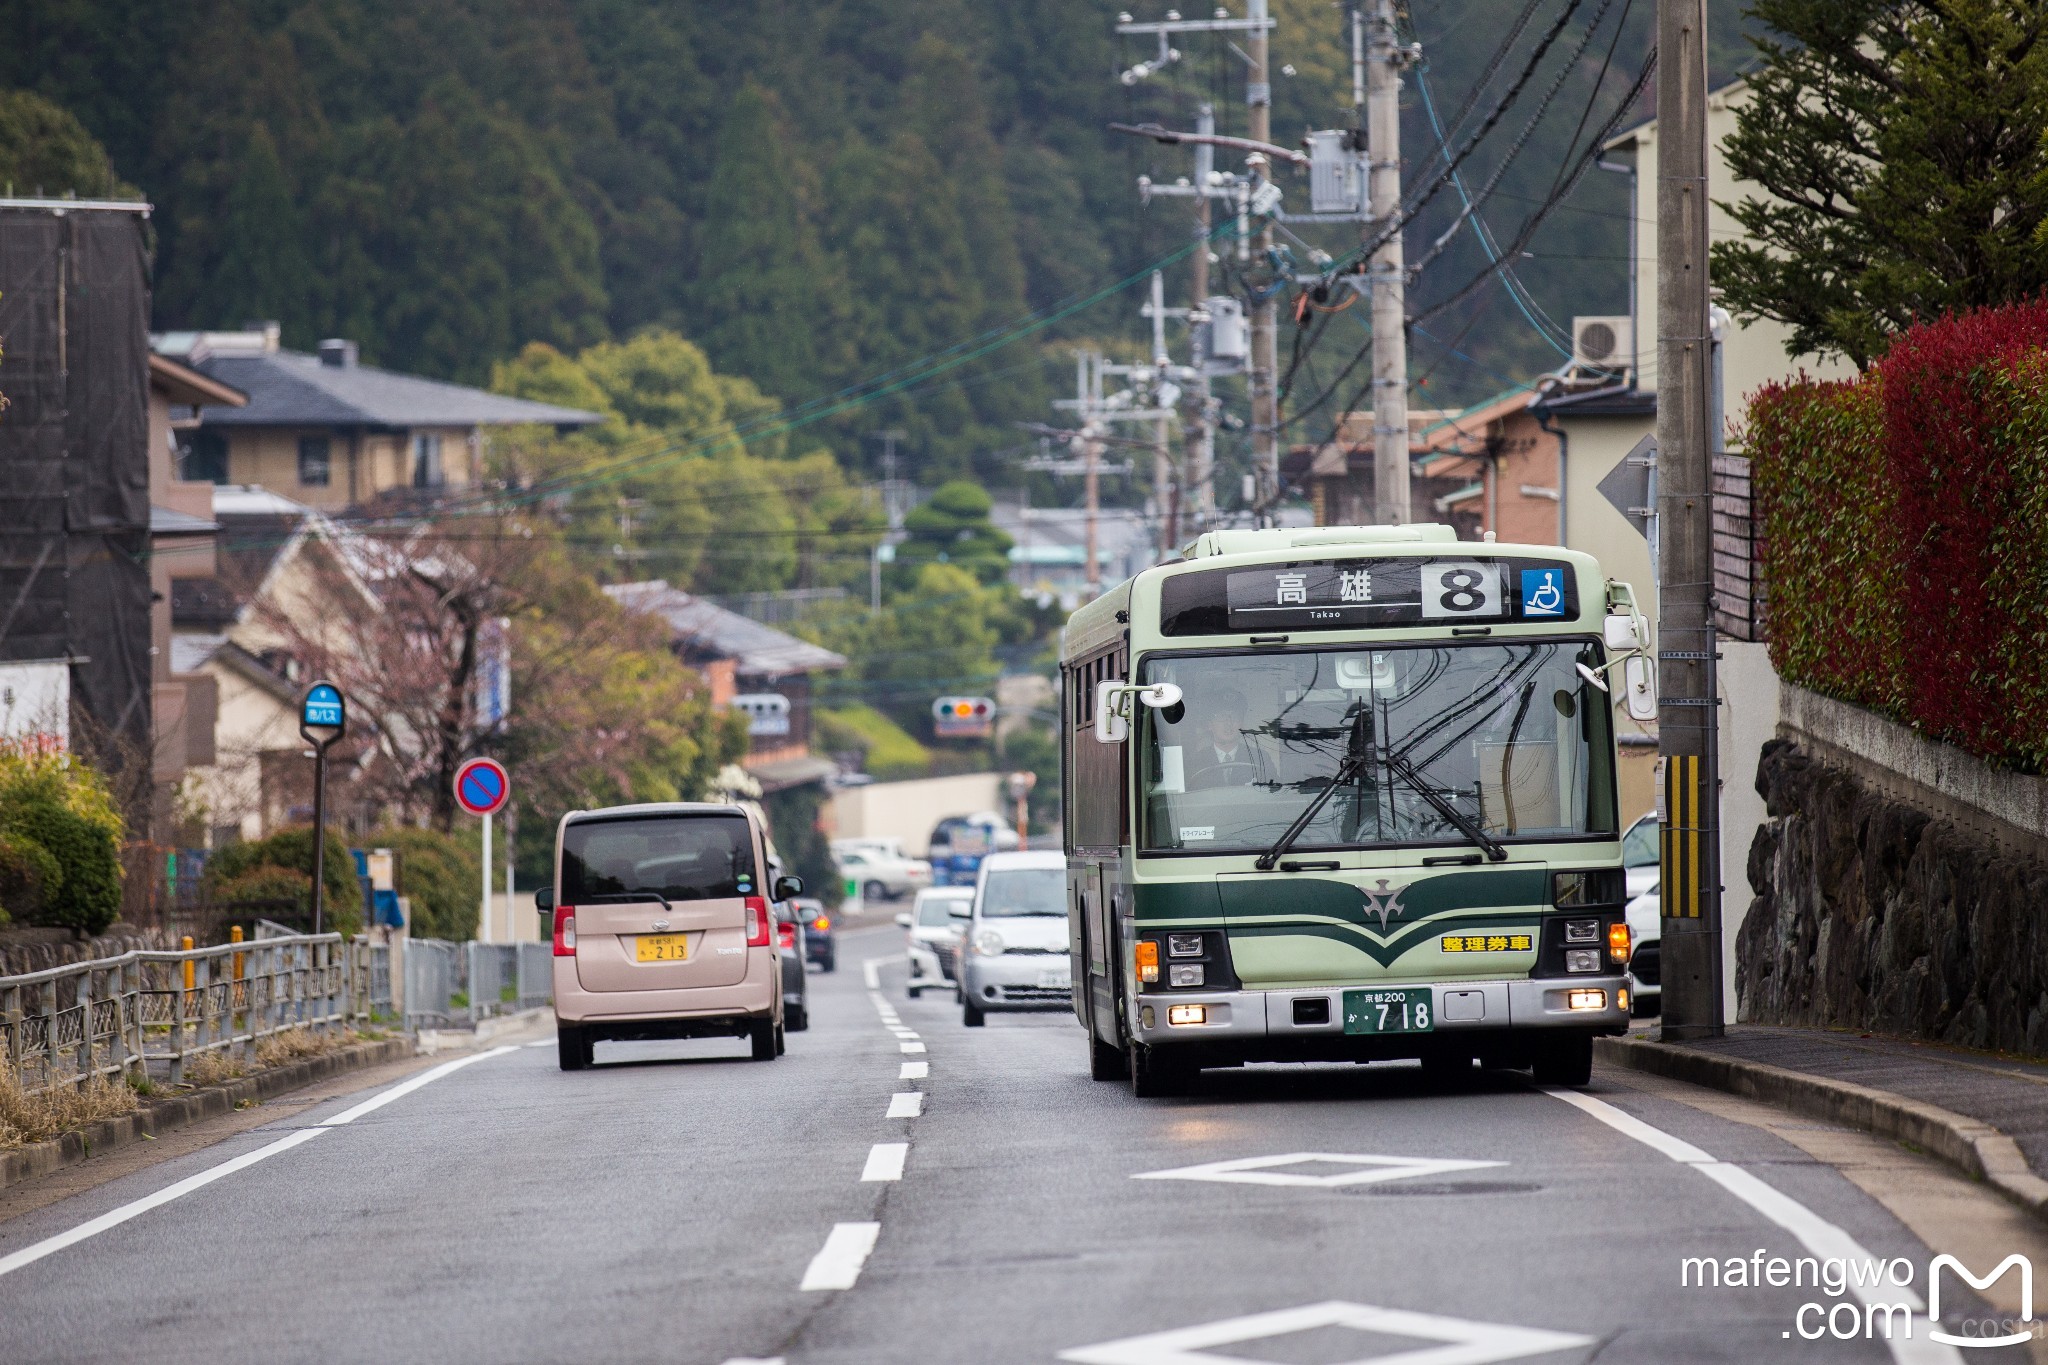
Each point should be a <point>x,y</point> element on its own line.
<point>1389,1011</point>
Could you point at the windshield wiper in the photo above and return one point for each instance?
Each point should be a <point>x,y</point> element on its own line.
<point>1353,764</point>
<point>624,898</point>
<point>1405,770</point>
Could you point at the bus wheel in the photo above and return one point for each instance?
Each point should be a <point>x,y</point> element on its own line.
<point>1565,1061</point>
<point>1105,1063</point>
<point>1152,1077</point>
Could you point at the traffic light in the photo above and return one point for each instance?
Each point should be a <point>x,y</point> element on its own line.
<point>963,717</point>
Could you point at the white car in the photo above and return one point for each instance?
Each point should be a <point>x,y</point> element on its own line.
<point>1639,855</point>
<point>1645,959</point>
<point>936,923</point>
<point>883,876</point>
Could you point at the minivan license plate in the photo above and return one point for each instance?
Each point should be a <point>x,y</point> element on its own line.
<point>661,948</point>
<point>1389,1012</point>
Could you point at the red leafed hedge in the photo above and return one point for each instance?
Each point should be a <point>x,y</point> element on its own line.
<point>1905,532</point>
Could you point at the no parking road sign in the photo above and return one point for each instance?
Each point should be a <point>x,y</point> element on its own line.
<point>481,786</point>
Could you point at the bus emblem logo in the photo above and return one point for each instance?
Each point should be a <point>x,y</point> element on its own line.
<point>1384,902</point>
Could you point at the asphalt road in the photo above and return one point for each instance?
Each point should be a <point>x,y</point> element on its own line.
<point>672,1203</point>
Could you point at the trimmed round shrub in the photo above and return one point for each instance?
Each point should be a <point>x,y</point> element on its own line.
<point>65,837</point>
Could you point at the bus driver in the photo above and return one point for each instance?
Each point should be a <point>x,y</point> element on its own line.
<point>1225,756</point>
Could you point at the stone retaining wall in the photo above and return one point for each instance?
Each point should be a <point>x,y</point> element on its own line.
<point>1886,907</point>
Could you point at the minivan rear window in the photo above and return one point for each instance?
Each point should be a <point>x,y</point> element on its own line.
<point>676,857</point>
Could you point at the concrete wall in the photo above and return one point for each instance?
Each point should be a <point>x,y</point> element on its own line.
<point>908,810</point>
<point>1749,691</point>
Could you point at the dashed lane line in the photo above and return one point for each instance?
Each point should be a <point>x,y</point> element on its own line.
<point>113,1218</point>
<point>914,1071</point>
<point>911,1047</point>
<point>871,972</point>
<point>837,1264</point>
<point>905,1104</point>
<point>885,1161</point>
<point>1824,1239</point>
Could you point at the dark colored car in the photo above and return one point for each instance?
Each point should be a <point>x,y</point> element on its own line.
<point>789,947</point>
<point>820,946</point>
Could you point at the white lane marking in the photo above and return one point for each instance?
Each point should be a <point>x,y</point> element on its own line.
<point>1824,1239</point>
<point>914,1071</point>
<point>837,1264</point>
<point>755,1360</point>
<point>885,1161</point>
<point>911,1047</point>
<point>904,1034</point>
<point>404,1088</point>
<point>113,1218</point>
<point>545,1042</point>
<point>1365,1170</point>
<point>1465,1342</point>
<point>905,1104</point>
<point>871,972</point>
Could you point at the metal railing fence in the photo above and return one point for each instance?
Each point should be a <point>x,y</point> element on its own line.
<point>116,1016</point>
<point>490,979</point>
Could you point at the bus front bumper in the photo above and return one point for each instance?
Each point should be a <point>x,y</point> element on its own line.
<point>1315,1015</point>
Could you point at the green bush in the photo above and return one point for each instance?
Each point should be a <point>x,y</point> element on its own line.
<point>888,752</point>
<point>291,850</point>
<point>441,877</point>
<point>269,883</point>
<point>60,842</point>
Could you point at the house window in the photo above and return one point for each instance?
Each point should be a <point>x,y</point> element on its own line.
<point>313,461</point>
<point>426,461</point>
<point>203,458</point>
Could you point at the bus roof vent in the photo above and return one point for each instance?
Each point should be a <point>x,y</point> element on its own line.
<point>1272,541</point>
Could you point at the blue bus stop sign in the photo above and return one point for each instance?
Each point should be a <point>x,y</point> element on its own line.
<point>323,715</point>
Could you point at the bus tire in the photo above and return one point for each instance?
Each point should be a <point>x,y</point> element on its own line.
<point>1565,1061</point>
<point>1151,1076</point>
<point>1105,1062</point>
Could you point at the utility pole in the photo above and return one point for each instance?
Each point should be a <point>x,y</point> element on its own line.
<point>1258,98</point>
<point>1091,451</point>
<point>1198,462</point>
<point>1166,487</point>
<point>1380,95</point>
<point>1687,710</point>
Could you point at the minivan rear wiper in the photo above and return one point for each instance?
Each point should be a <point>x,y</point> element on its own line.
<point>624,898</point>
<point>1405,770</point>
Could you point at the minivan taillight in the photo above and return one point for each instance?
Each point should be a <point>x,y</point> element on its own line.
<point>785,936</point>
<point>565,931</point>
<point>758,922</point>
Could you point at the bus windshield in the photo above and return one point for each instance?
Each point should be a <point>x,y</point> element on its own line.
<point>1509,735</point>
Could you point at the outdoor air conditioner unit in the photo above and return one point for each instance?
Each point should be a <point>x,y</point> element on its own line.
<point>1603,343</point>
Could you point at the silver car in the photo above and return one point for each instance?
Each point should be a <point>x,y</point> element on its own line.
<point>1015,956</point>
<point>935,923</point>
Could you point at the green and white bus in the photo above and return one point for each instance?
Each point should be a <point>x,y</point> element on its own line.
<point>1348,793</point>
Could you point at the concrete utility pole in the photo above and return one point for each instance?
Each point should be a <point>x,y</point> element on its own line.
<point>1388,271</point>
<point>1197,430</point>
<point>1165,486</point>
<point>1687,716</point>
<point>1258,98</point>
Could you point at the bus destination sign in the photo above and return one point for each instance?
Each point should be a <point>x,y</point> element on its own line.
<point>1350,594</point>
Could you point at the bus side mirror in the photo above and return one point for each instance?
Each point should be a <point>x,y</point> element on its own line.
<point>1112,719</point>
<point>1639,687</point>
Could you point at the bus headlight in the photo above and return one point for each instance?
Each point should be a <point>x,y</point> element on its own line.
<point>1184,974</point>
<point>1578,960</point>
<point>988,943</point>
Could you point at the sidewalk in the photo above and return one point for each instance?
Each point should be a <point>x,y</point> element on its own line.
<point>1983,1113</point>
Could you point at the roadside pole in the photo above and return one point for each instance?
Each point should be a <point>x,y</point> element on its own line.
<point>1687,714</point>
<point>482,787</point>
<point>1258,98</point>
<point>323,719</point>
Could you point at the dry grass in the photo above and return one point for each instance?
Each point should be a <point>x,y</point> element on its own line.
<point>212,1068</point>
<point>296,1043</point>
<point>26,1118</point>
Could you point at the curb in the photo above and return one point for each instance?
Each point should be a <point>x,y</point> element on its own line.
<point>1970,1145</point>
<point>433,1041</point>
<point>178,1111</point>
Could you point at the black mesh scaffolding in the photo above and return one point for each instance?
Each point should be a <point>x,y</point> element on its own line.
<point>74,467</point>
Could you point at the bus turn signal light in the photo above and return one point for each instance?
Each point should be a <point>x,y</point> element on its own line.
<point>1618,941</point>
<point>1147,957</point>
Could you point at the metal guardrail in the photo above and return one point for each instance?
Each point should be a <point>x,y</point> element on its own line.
<point>490,979</point>
<point>115,1016</point>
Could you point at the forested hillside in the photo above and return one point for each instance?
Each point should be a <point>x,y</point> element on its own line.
<point>814,192</point>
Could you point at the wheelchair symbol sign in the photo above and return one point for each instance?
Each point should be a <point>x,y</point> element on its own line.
<point>1542,592</point>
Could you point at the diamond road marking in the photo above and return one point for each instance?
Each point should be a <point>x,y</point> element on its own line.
<point>1369,1170</point>
<point>1462,1342</point>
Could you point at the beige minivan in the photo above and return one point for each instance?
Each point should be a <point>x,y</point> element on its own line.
<point>663,928</point>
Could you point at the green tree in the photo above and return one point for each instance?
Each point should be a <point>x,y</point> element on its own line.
<point>953,527</point>
<point>266,272</point>
<point>244,871</point>
<point>60,842</point>
<point>46,151</point>
<point>935,638</point>
<point>767,298</point>
<point>1902,150</point>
